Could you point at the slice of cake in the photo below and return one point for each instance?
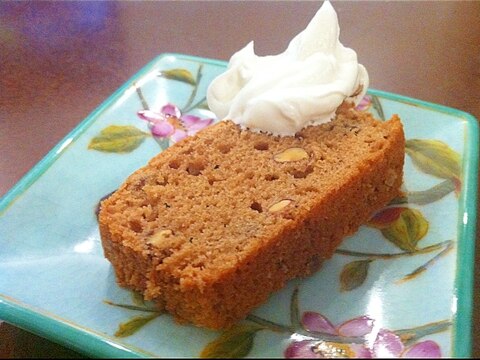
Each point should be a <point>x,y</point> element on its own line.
<point>216,223</point>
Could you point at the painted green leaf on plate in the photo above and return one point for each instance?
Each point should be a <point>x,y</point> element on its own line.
<point>428,196</point>
<point>118,139</point>
<point>405,232</point>
<point>235,342</point>
<point>182,75</point>
<point>137,298</point>
<point>354,274</point>
<point>434,157</point>
<point>203,105</point>
<point>131,326</point>
<point>377,105</point>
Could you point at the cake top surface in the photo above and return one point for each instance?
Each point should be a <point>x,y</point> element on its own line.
<point>281,94</point>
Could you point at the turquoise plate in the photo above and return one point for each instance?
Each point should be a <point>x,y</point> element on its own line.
<point>401,286</point>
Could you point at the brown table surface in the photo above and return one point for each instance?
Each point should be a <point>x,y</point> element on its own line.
<point>60,60</point>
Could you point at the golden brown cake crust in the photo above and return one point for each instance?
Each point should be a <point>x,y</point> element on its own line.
<point>213,225</point>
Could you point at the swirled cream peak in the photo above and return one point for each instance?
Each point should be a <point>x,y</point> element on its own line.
<point>281,94</point>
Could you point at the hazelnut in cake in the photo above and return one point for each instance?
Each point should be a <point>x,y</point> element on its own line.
<point>211,226</point>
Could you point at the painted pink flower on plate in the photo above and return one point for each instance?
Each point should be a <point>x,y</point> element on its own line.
<point>364,104</point>
<point>170,123</point>
<point>390,345</point>
<point>386,217</point>
<point>353,341</point>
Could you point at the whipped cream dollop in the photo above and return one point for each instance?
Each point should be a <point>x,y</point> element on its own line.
<point>304,85</point>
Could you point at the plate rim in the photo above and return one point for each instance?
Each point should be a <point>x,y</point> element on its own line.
<point>90,343</point>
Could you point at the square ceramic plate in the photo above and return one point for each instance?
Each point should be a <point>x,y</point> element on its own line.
<point>402,285</point>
